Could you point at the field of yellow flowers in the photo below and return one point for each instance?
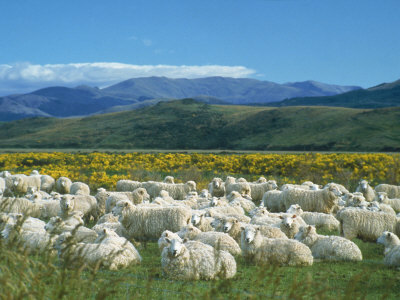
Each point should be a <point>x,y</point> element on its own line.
<point>105,169</point>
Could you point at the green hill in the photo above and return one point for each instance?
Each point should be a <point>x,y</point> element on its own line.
<point>187,124</point>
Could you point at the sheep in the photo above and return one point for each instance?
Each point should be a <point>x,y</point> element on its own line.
<point>21,183</point>
<point>20,205</point>
<point>127,185</point>
<point>261,249</point>
<point>272,200</point>
<point>148,222</point>
<point>84,203</point>
<point>107,218</point>
<point>80,233</point>
<point>234,209</point>
<point>218,240</point>
<point>342,189</point>
<point>79,188</point>
<point>137,196</point>
<point>392,191</point>
<point>332,248</point>
<point>392,248</point>
<point>162,243</point>
<point>201,222</point>
<point>165,200</point>
<point>177,191</point>
<point>114,226</point>
<point>4,174</point>
<point>47,183</point>
<point>216,187</point>
<point>258,189</point>
<point>376,206</point>
<point>240,185</point>
<point>365,224</point>
<point>246,204</point>
<point>49,208</point>
<point>289,225</point>
<point>169,179</point>
<point>382,197</point>
<point>194,261</point>
<point>233,227</point>
<point>108,255</point>
<point>367,191</point>
<point>319,220</point>
<point>63,185</point>
<point>323,200</point>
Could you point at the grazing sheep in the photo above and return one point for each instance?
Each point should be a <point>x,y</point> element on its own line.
<point>84,203</point>
<point>216,187</point>
<point>367,191</point>
<point>365,224</point>
<point>79,188</point>
<point>127,185</point>
<point>382,197</point>
<point>218,240</point>
<point>259,188</point>
<point>240,185</point>
<point>196,261</point>
<point>272,200</point>
<point>392,191</point>
<point>319,220</point>
<point>392,248</point>
<point>144,222</point>
<point>63,185</point>
<point>333,248</point>
<point>162,242</point>
<point>284,252</point>
<point>47,183</point>
<point>201,222</point>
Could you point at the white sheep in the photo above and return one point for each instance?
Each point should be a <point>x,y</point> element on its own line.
<point>240,185</point>
<point>392,191</point>
<point>137,196</point>
<point>194,261</point>
<point>83,203</point>
<point>246,204</point>
<point>216,187</point>
<point>319,220</point>
<point>234,209</point>
<point>272,200</point>
<point>162,242</point>
<point>382,197</point>
<point>127,185</point>
<point>202,222</point>
<point>49,208</point>
<point>21,183</point>
<point>56,225</point>
<point>47,183</point>
<point>259,188</point>
<point>365,224</point>
<point>341,187</point>
<point>20,205</point>
<point>79,188</point>
<point>63,185</point>
<point>392,248</point>
<point>289,225</point>
<point>218,240</point>
<point>144,222</point>
<point>367,191</point>
<point>284,252</point>
<point>333,248</point>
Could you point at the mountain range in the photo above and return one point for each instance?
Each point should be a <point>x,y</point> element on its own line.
<point>135,93</point>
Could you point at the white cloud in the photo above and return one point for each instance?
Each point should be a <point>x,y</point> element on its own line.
<point>147,42</point>
<point>25,77</point>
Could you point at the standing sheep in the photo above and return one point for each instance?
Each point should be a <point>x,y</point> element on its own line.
<point>127,185</point>
<point>194,261</point>
<point>333,248</point>
<point>21,183</point>
<point>216,187</point>
<point>240,185</point>
<point>368,192</point>
<point>63,185</point>
<point>392,191</point>
<point>258,189</point>
<point>47,183</point>
<point>382,197</point>
<point>272,200</point>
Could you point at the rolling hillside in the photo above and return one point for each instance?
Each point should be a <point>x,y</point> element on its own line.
<point>188,124</point>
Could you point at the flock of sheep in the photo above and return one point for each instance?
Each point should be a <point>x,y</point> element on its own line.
<point>199,234</point>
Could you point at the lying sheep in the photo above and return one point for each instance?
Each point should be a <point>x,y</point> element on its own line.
<point>202,222</point>
<point>319,220</point>
<point>218,240</point>
<point>259,188</point>
<point>216,187</point>
<point>333,248</point>
<point>284,252</point>
<point>196,261</point>
<point>392,248</point>
<point>137,196</point>
<point>20,205</point>
<point>47,183</point>
<point>382,197</point>
<point>289,225</point>
<point>79,188</point>
<point>80,233</point>
<point>21,183</point>
<point>63,185</point>
<point>365,224</point>
<point>234,209</point>
<point>246,204</point>
<point>162,242</point>
<point>177,191</point>
<point>367,191</point>
<point>49,208</point>
<point>83,203</point>
<point>148,222</point>
<point>392,191</point>
<point>241,186</point>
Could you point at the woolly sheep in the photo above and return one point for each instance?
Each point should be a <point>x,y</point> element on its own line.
<point>333,248</point>
<point>218,240</point>
<point>162,242</point>
<point>194,261</point>
<point>169,179</point>
<point>80,233</point>
<point>148,222</point>
<point>241,186</point>
<point>392,191</point>
<point>392,248</point>
<point>235,209</point>
<point>79,188</point>
<point>63,185</point>
<point>49,208</point>
<point>20,205</point>
<point>272,200</point>
<point>260,249</point>
<point>47,183</point>
<point>216,187</point>
<point>365,224</point>
<point>166,200</point>
<point>21,183</point>
<point>319,220</point>
<point>177,191</point>
<point>258,189</point>
<point>368,192</point>
<point>382,197</point>
<point>246,204</point>
<point>289,225</point>
<point>201,222</point>
<point>342,189</point>
<point>84,203</point>
<point>127,185</point>
<point>138,196</point>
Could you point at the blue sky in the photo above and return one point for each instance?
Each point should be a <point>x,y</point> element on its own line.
<point>48,42</point>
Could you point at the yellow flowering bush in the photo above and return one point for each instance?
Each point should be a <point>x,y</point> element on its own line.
<point>105,169</point>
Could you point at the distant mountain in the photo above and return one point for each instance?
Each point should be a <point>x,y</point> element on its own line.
<point>383,95</point>
<point>140,92</point>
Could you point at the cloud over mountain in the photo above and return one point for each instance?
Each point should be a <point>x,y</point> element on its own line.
<point>25,77</point>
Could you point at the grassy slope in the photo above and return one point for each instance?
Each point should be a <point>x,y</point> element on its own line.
<point>191,125</point>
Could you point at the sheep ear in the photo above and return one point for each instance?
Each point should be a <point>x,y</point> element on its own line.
<point>166,234</point>
<point>294,216</point>
<point>188,221</point>
<point>235,221</point>
<point>185,240</point>
<point>280,217</point>
<point>389,235</point>
<point>126,204</point>
<point>257,228</point>
<point>309,227</point>
<point>168,240</point>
